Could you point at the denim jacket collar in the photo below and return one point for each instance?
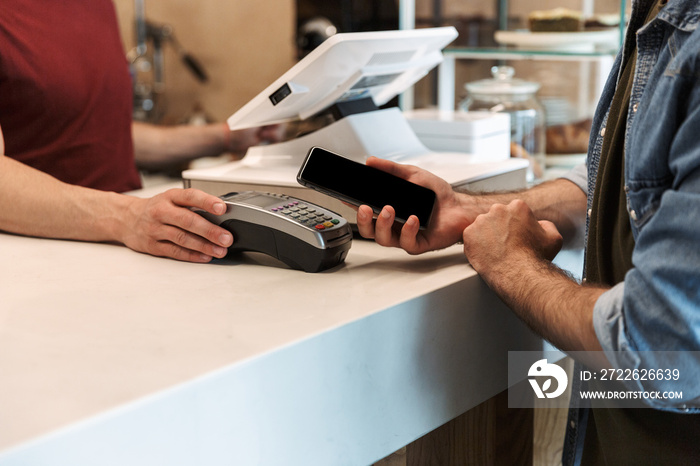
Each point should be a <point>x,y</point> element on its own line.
<point>683,15</point>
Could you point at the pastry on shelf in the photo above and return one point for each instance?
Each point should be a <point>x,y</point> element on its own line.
<point>555,20</point>
<point>570,138</point>
<point>601,21</point>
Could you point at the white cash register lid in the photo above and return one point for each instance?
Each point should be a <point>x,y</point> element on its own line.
<point>347,66</point>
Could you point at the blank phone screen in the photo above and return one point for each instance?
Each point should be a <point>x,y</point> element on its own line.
<point>358,184</point>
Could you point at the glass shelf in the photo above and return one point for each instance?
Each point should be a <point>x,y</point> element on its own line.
<point>494,35</point>
<point>515,53</point>
<point>446,70</point>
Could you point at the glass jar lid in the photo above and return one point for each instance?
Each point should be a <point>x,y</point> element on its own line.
<point>502,83</point>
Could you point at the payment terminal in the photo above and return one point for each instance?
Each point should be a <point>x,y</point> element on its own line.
<point>303,235</point>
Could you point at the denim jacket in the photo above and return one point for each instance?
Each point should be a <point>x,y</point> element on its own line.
<point>657,307</point>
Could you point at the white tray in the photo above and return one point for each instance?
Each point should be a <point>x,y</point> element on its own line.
<point>564,160</point>
<point>584,41</point>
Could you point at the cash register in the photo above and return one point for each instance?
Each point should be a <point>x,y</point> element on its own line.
<point>351,77</point>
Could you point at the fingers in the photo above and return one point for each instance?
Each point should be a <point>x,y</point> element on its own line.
<point>181,245</point>
<point>196,198</point>
<point>240,140</point>
<point>365,221</point>
<point>553,241</point>
<point>507,230</point>
<point>193,223</point>
<point>550,229</point>
<point>166,226</point>
<point>408,240</point>
<point>383,227</point>
<point>272,133</point>
<point>384,232</point>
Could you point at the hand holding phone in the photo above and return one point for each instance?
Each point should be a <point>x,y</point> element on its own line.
<point>359,184</point>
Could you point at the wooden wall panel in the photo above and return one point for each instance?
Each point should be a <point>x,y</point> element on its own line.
<point>244,45</point>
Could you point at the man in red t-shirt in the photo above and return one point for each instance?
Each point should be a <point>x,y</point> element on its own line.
<point>70,144</point>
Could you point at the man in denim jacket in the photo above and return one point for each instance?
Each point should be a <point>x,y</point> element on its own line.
<point>639,204</point>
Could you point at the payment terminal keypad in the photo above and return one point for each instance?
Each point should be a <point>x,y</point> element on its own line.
<point>306,215</point>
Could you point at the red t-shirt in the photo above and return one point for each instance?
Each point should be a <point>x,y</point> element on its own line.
<point>65,92</point>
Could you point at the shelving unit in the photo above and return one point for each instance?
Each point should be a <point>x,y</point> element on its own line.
<point>446,84</point>
<point>446,70</point>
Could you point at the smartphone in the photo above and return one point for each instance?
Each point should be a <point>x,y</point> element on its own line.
<point>357,184</point>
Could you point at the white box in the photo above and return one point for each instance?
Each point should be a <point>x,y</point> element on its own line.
<point>484,135</point>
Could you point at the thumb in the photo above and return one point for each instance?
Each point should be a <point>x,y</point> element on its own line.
<point>552,239</point>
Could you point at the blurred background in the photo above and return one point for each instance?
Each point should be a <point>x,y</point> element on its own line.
<point>242,46</point>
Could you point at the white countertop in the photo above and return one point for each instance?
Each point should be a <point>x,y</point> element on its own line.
<point>108,356</point>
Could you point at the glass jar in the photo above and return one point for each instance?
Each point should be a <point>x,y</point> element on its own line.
<point>506,94</point>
